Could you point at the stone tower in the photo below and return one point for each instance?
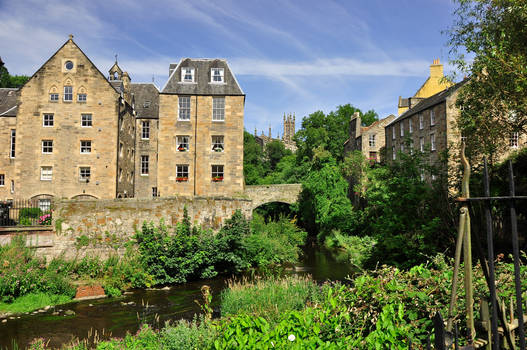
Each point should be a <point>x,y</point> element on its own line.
<point>289,128</point>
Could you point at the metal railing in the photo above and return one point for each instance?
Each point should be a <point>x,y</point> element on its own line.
<point>24,212</point>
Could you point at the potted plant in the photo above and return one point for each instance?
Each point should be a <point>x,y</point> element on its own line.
<point>217,179</point>
<point>218,149</point>
<point>181,179</point>
<point>181,149</point>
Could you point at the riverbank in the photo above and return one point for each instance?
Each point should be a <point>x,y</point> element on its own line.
<point>386,306</point>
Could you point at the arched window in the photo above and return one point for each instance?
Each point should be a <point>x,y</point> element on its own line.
<point>53,94</point>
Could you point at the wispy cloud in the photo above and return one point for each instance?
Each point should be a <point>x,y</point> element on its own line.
<point>329,67</point>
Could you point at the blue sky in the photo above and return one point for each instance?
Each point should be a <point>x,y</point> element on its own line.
<point>294,56</point>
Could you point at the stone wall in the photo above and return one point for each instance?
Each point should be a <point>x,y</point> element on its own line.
<point>262,194</point>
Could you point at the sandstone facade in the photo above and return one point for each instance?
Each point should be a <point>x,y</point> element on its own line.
<point>367,139</point>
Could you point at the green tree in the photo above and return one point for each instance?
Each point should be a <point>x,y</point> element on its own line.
<point>254,166</point>
<point>4,75</point>
<point>369,117</point>
<point>274,152</point>
<point>494,102</point>
<point>10,81</point>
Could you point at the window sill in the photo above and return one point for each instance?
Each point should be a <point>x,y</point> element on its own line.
<point>45,180</point>
<point>67,101</point>
<point>183,120</point>
<point>217,83</point>
<point>187,82</point>
<point>142,139</point>
<point>218,121</point>
<point>53,101</point>
<point>145,175</point>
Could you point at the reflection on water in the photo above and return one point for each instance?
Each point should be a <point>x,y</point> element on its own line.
<point>121,315</point>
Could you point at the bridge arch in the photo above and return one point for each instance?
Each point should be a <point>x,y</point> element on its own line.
<point>283,193</point>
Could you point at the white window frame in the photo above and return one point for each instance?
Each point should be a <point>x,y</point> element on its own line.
<point>145,130</point>
<point>183,108</point>
<point>145,165</point>
<point>2,180</point>
<point>393,132</point>
<point>513,139</point>
<point>432,142</point>
<point>46,145</point>
<point>218,111</point>
<point>214,76</point>
<point>421,121</point>
<point>44,204</point>
<point>402,128</point>
<point>218,143</point>
<point>402,146</point>
<point>184,141</point>
<point>86,120</point>
<point>410,126</point>
<point>432,118</point>
<point>182,172</point>
<point>85,146</point>
<point>371,140</point>
<point>54,97</point>
<point>68,93</point>
<point>393,153</point>
<point>218,172</point>
<point>189,70</point>
<point>46,173</point>
<point>422,144</point>
<point>48,122</point>
<point>82,97</point>
<point>85,173</point>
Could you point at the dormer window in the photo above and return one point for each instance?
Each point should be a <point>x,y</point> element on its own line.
<point>217,75</point>
<point>187,75</point>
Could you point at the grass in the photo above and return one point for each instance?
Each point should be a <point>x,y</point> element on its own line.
<point>33,301</point>
<point>269,297</point>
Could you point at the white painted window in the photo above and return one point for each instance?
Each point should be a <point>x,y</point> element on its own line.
<point>410,126</point>
<point>432,117</point>
<point>217,75</point>
<point>217,173</point>
<point>402,147</point>
<point>393,152</point>
<point>46,173</point>
<point>86,120</point>
<point>68,93</point>
<point>85,173</point>
<point>217,143</point>
<point>422,144</point>
<point>184,108</point>
<point>44,204</point>
<point>432,142</point>
<point>182,172</point>
<point>47,146</point>
<point>145,130</point>
<point>144,165</point>
<point>393,132</point>
<point>411,146</point>
<point>218,108</point>
<point>421,122</point>
<point>402,128</point>
<point>81,97</point>
<point>53,97</point>
<point>2,180</point>
<point>182,143</point>
<point>47,120</point>
<point>187,74</point>
<point>86,146</point>
<point>513,140</point>
<point>372,140</point>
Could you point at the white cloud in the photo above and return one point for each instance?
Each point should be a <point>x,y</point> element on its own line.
<point>330,67</point>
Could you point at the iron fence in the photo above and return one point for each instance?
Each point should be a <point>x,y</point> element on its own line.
<point>24,212</point>
<point>499,326</point>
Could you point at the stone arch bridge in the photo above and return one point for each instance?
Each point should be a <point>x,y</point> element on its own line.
<point>262,194</point>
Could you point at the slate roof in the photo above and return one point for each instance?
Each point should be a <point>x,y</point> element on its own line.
<point>8,102</point>
<point>202,85</point>
<point>117,85</point>
<point>146,96</point>
<point>429,102</point>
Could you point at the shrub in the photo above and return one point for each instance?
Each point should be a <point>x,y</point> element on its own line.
<point>357,250</point>
<point>196,334</point>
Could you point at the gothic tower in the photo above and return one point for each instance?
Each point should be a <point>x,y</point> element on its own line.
<point>289,128</point>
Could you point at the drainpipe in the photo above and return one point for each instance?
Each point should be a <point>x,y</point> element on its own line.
<point>195,142</point>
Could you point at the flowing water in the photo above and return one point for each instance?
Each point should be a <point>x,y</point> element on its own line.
<point>124,314</point>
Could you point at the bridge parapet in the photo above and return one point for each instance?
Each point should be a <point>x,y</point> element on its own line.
<point>262,194</point>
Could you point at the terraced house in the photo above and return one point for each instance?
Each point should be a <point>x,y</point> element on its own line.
<point>72,132</point>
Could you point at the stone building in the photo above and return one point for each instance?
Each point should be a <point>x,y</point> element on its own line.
<point>63,142</point>
<point>287,136</point>
<point>200,133</point>
<point>71,132</point>
<point>435,83</point>
<point>367,139</point>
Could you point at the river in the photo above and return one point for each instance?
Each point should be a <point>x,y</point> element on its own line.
<point>117,316</point>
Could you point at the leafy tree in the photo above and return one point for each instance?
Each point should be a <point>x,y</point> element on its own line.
<point>10,81</point>
<point>369,117</point>
<point>494,102</point>
<point>274,152</point>
<point>254,166</point>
